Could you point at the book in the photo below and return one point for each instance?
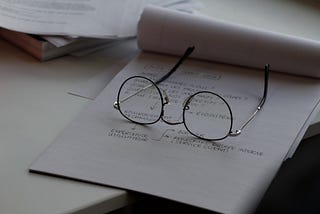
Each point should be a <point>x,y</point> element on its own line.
<point>44,50</point>
<point>228,176</point>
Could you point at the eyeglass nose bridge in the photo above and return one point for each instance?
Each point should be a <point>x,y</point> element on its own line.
<point>167,101</point>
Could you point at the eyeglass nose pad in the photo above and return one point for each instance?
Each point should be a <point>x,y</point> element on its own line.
<point>166,97</point>
<point>186,103</point>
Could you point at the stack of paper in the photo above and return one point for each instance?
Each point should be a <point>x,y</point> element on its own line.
<point>63,23</point>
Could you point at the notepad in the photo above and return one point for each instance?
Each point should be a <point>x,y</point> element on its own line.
<point>229,176</point>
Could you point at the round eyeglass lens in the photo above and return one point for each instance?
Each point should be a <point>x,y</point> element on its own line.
<point>140,100</point>
<point>208,116</point>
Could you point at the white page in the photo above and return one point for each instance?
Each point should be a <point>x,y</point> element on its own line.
<point>168,31</point>
<point>120,53</point>
<point>60,41</point>
<point>190,6</point>
<point>91,18</point>
<point>306,131</point>
<point>314,127</point>
<point>229,176</point>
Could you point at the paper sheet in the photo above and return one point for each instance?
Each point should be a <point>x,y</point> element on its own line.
<point>167,31</point>
<point>90,18</point>
<point>72,18</point>
<point>59,41</point>
<point>120,53</point>
<point>229,176</point>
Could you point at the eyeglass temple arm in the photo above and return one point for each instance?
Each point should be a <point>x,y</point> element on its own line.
<point>116,103</point>
<point>261,103</point>
<point>174,68</point>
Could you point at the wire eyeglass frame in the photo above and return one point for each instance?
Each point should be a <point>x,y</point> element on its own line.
<point>165,100</point>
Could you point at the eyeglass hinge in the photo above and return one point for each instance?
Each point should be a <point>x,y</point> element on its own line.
<point>116,105</point>
<point>235,133</point>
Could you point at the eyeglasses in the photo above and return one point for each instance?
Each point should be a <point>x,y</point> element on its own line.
<point>206,114</point>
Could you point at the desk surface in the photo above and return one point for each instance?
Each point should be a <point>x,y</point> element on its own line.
<point>35,107</point>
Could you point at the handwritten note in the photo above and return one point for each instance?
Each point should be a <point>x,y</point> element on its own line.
<point>227,176</point>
